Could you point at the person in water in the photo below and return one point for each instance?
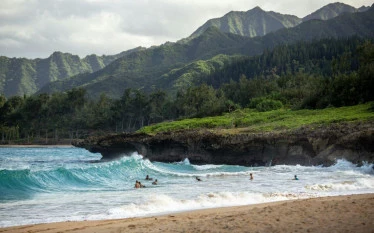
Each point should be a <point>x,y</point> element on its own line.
<point>250,176</point>
<point>198,179</point>
<point>148,178</point>
<point>296,178</point>
<point>138,185</point>
<point>154,182</point>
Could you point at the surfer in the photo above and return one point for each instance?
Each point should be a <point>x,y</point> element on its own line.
<point>148,178</point>
<point>251,176</point>
<point>296,178</point>
<point>198,179</point>
<point>154,182</point>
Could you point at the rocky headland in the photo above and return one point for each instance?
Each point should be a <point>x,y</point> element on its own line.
<point>308,145</point>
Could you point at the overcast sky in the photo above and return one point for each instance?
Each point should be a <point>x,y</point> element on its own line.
<point>37,28</point>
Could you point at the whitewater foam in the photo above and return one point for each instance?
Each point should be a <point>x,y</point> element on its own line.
<point>49,184</point>
<point>159,203</point>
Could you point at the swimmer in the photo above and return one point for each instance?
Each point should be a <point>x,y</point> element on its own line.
<point>251,176</point>
<point>198,179</point>
<point>148,178</point>
<point>296,178</point>
<point>154,182</point>
<point>137,184</point>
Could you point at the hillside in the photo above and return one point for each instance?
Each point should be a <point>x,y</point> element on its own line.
<point>314,75</point>
<point>21,76</point>
<point>257,22</point>
<point>194,73</point>
<point>332,10</point>
<point>162,67</point>
<point>147,69</point>
<point>312,58</point>
<point>252,121</point>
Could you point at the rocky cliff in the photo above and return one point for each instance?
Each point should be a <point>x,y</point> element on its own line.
<point>305,146</point>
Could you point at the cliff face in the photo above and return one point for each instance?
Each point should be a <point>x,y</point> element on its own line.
<point>305,146</point>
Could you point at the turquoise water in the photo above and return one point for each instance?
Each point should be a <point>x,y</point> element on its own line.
<point>39,185</point>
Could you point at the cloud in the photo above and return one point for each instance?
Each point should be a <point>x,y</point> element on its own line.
<point>37,28</point>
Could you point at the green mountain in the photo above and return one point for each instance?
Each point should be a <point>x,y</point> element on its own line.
<point>169,66</point>
<point>145,69</point>
<point>363,8</point>
<point>346,25</point>
<point>21,76</point>
<point>173,65</point>
<point>332,10</point>
<point>255,22</point>
<point>192,74</point>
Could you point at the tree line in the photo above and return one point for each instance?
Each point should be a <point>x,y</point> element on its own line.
<point>296,77</point>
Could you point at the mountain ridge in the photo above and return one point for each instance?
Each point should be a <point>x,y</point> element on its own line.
<point>22,76</point>
<point>332,10</point>
<point>239,22</point>
<point>243,22</point>
<point>144,69</point>
<point>142,66</point>
<point>160,60</point>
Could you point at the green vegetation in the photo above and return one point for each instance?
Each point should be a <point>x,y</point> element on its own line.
<point>324,74</point>
<point>20,76</point>
<point>146,69</point>
<point>330,11</point>
<point>252,23</point>
<point>250,120</point>
<point>257,22</point>
<point>195,73</point>
<point>176,66</point>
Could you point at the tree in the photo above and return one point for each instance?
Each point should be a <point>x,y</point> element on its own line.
<point>156,104</point>
<point>366,71</point>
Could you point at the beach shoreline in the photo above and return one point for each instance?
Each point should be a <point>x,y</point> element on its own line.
<point>348,213</point>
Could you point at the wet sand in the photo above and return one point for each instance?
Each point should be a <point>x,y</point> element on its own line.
<point>353,213</point>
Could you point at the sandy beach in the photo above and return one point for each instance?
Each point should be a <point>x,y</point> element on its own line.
<point>353,213</point>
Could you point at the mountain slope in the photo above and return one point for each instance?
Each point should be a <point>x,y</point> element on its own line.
<point>147,69</point>
<point>190,74</point>
<point>24,76</point>
<point>143,69</point>
<point>343,26</point>
<point>332,10</point>
<point>19,76</point>
<point>255,22</point>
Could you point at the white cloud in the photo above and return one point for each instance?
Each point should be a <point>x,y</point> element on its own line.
<point>37,28</point>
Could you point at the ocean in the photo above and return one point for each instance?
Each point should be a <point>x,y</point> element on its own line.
<point>54,184</point>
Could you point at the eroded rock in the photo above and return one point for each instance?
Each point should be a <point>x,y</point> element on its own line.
<point>305,146</point>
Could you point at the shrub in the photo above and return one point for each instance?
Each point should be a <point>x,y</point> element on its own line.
<point>268,105</point>
<point>255,101</point>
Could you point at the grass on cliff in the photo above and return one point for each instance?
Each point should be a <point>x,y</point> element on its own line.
<point>250,120</point>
